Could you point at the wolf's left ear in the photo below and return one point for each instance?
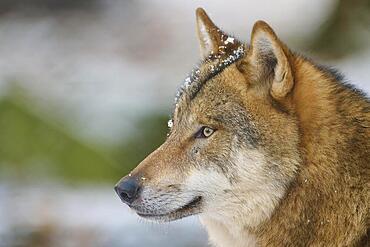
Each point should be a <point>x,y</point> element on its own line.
<point>209,34</point>
<point>268,55</point>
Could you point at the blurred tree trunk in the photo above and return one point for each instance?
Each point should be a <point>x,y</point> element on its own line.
<point>346,31</point>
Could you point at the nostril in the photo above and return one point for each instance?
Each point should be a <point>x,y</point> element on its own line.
<point>128,189</point>
<point>124,196</point>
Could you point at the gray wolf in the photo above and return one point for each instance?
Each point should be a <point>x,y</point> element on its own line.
<point>266,146</point>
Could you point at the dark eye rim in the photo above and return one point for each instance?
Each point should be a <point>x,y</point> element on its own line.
<point>200,133</point>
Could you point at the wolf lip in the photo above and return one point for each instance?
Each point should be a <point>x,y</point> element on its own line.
<point>186,210</point>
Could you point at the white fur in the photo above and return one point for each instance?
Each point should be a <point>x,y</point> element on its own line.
<point>231,209</point>
<point>207,43</point>
<point>220,235</point>
<point>162,202</point>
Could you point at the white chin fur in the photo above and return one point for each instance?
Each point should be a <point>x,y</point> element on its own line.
<point>161,202</point>
<point>246,202</point>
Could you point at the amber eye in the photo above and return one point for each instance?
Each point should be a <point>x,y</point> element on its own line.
<point>204,132</point>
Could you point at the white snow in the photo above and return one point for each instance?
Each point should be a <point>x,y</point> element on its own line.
<point>229,40</point>
<point>170,123</point>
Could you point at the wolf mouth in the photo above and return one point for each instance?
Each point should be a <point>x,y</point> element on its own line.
<point>191,208</point>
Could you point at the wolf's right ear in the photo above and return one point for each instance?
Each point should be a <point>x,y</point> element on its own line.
<point>209,34</point>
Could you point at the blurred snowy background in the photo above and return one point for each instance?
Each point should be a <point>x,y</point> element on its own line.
<point>86,87</point>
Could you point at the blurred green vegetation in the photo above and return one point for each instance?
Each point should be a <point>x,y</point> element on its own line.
<point>150,132</point>
<point>32,146</point>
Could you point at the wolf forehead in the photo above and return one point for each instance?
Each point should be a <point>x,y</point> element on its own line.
<point>228,53</point>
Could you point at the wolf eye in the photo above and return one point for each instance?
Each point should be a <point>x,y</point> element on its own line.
<point>204,132</point>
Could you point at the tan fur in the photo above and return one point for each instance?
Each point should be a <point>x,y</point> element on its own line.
<point>328,204</point>
<point>288,163</point>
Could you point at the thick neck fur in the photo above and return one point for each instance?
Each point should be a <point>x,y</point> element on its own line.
<point>327,204</point>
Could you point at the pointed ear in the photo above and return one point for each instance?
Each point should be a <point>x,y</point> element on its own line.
<point>269,55</point>
<point>209,34</point>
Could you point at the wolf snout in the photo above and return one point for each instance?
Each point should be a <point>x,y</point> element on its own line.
<point>128,189</point>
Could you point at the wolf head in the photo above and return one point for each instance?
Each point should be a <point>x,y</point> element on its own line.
<point>232,147</point>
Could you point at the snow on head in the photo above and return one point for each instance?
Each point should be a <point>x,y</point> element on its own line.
<point>170,123</point>
<point>229,40</point>
<point>231,51</point>
<point>213,64</point>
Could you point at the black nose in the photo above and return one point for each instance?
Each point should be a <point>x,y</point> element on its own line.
<point>128,189</point>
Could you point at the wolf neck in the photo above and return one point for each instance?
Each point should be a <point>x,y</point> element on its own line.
<point>323,106</point>
<point>334,152</point>
<point>313,98</point>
